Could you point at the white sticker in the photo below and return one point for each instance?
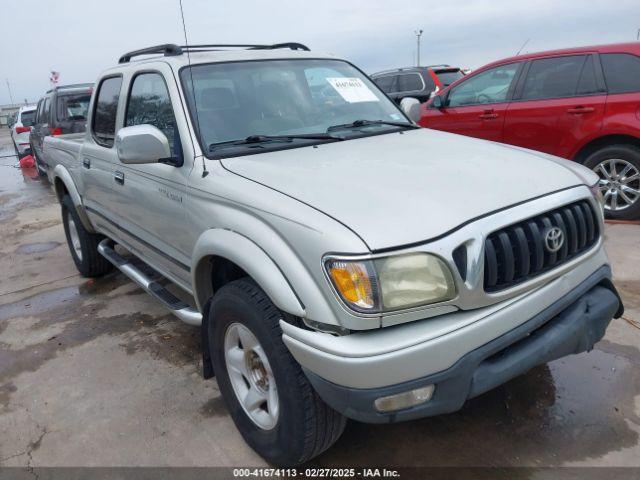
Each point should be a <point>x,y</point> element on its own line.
<point>353,90</point>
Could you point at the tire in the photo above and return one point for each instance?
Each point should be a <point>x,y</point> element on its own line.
<point>305,425</point>
<point>41,171</point>
<point>623,157</point>
<point>83,245</point>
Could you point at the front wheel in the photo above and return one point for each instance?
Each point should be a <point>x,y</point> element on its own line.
<point>619,169</point>
<point>268,396</point>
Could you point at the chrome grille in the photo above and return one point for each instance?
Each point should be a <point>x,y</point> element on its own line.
<point>524,250</point>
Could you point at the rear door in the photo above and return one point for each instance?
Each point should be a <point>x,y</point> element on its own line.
<point>476,107</point>
<point>41,127</point>
<point>99,154</point>
<point>559,102</point>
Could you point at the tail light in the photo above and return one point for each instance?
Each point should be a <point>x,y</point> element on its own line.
<point>23,129</point>
<point>55,131</point>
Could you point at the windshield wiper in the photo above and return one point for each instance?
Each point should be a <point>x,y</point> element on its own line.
<point>366,123</point>
<point>257,139</point>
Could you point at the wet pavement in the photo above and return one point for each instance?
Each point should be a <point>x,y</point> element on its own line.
<point>96,373</point>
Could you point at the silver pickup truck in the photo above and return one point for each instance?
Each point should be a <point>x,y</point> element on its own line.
<point>339,261</point>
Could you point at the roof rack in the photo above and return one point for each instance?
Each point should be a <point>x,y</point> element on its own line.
<point>170,49</point>
<point>406,69</point>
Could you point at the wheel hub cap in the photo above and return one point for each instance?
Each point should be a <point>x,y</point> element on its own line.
<point>619,183</point>
<point>251,376</point>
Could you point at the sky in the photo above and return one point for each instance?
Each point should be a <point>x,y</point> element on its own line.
<point>81,38</point>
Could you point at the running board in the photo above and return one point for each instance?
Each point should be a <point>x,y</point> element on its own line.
<point>179,308</point>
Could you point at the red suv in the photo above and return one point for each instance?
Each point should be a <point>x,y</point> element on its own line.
<point>582,104</point>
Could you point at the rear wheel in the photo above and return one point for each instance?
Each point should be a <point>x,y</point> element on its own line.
<point>268,396</point>
<point>83,245</point>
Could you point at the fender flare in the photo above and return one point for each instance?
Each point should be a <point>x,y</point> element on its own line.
<point>238,249</point>
<point>60,173</point>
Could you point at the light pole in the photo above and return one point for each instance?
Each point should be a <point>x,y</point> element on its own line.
<point>10,94</point>
<point>418,34</point>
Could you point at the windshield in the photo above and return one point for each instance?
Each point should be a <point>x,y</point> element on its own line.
<point>73,107</point>
<point>238,100</point>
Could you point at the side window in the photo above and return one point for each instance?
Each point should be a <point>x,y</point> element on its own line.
<point>105,110</point>
<point>39,111</point>
<point>45,110</point>
<point>491,86</point>
<point>149,103</point>
<point>553,77</point>
<point>409,82</point>
<point>385,83</point>
<point>588,84</point>
<point>621,72</point>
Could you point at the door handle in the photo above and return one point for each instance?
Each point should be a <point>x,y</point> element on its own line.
<point>119,177</point>
<point>580,110</point>
<point>86,163</point>
<point>488,115</point>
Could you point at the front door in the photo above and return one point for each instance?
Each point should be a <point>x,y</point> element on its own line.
<point>150,197</point>
<point>476,107</point>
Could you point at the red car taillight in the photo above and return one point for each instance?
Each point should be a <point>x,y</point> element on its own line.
<point>55,131</point>
<point>23,129</point>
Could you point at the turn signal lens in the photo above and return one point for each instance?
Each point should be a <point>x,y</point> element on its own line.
<point>355,282</point>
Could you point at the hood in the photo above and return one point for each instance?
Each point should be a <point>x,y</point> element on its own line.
<point>402,188</point>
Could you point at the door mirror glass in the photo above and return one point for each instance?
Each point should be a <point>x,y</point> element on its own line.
<point>142,144</point>
<point>411,108</point>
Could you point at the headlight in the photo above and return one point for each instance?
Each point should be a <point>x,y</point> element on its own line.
<point>391,283</point>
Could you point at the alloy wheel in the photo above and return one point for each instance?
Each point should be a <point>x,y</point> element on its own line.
<point>619,183</point>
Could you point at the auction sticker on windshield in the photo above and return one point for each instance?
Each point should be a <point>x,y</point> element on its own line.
<point>352,90</point>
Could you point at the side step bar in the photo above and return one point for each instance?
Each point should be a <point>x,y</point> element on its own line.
<point>179,308</point>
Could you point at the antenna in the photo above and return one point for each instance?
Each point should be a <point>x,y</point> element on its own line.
<point>205,172</point>
<point>523,45</point>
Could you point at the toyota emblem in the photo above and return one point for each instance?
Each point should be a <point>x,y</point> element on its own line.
<point>553,239</point>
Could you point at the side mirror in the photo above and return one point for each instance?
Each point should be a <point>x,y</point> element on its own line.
<point>437,102</point>
<point>142,144</point>
<point>411,108</point>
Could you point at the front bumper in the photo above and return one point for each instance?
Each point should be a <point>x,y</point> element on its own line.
<point>571,324</point>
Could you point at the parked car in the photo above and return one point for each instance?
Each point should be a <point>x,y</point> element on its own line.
<point>331,275</point>
<point>11,119</point>
<point>21,129</point>
<point>416,82</point>
<point>62,110</point>
<point>580,104</point>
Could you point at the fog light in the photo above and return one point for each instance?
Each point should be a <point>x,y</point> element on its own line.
<point>405,399</point>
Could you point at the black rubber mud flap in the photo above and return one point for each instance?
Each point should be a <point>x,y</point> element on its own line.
<point>207,365</point>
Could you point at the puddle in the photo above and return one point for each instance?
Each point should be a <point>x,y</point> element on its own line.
<point>37,247</point>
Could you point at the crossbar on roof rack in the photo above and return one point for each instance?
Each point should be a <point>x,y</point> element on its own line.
<point>170,49</point>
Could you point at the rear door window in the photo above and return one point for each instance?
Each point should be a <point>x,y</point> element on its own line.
<point>553,77</point>
<point>73,107</point>
<point>385,83</point>
<point>588,85</point>
<point>149,104</point>
<point>621,72</point>
<point>106,109</point>
<point>410,82</point>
